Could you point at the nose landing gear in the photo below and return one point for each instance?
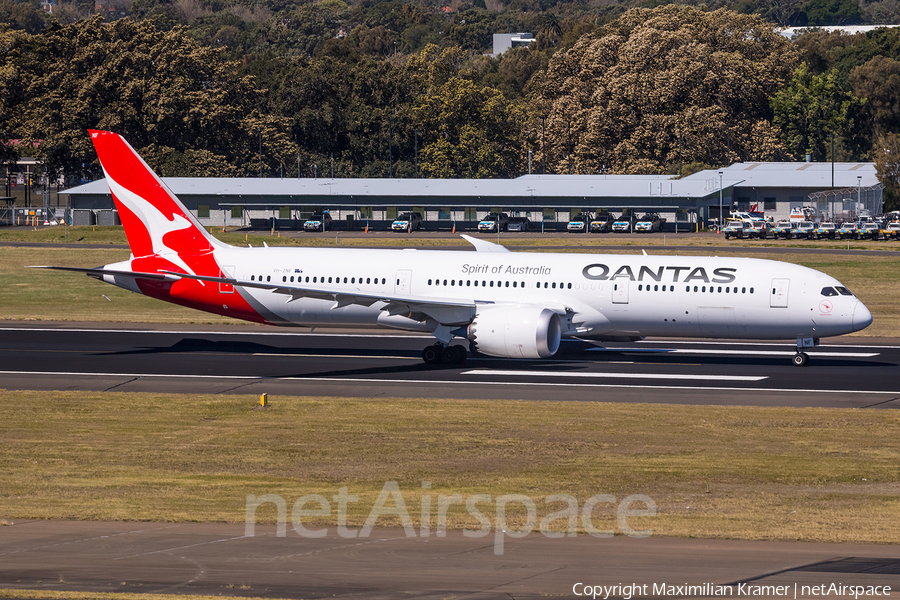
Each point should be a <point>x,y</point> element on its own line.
<point>448,355</point>
<point>801,358</point>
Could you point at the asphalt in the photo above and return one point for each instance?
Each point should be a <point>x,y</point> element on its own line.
<point>220,559</point>
<point>843,372</point>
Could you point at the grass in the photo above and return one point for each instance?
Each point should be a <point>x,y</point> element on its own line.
<point>773,473</point>
<point>35,294</point>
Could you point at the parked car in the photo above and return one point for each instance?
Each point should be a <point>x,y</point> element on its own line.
<point>803,230</point>
<point>493,223</point>
<point>580,223</point>
<point>847,230</point>
<point>623,224</point>
<point>318,222</point>
<point>868,231</point>
<point>408,221</point>
<point>649,223</point>
<point>756,229</point>
<point>782,230</point>
<point>518,224</point>
<point>602,223</point>
<point>734,229</point>
<point>825,230</point>
<point>891,231</point>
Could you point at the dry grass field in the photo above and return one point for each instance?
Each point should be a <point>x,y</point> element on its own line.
<point>772,473</point>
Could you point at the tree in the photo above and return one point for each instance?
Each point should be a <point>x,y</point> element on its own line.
<point>161,90</point>
<point>659,84</point>
<point>468,131</point>
<point>878,81</point>
<point>887,167</point>
<point>833,12</point>
<point>810,109</point>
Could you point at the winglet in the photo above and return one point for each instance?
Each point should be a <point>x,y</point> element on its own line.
<point>484,245</point>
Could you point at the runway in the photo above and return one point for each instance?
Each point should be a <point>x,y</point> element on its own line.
<point>845,372</point>
<point>213,559</point>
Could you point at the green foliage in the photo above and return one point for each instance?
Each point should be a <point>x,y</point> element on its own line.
<point>26,16</point>
<point>470,131</point>
<point>887,166</point>
<point>810,109</point>
<point>833,12</point>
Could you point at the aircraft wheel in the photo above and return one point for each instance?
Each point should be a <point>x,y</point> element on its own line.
<point>453,355</point>
<point>801,359</point>
<point>461,354</point>
<point>432,354</point>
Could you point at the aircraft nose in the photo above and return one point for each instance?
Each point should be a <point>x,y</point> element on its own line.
<point>862,318</point>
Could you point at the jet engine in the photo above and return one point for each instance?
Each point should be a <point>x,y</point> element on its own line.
<point>515,332</point>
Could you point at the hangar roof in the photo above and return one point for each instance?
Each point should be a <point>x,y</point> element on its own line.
<point>547,186</point>
<point>794,175</point>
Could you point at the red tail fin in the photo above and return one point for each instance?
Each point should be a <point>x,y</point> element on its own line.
<point>155,221</point>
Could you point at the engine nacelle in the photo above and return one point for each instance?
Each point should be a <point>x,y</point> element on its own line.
<point>516,332</point>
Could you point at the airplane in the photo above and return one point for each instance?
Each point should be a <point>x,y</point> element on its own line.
<point>505,304</point>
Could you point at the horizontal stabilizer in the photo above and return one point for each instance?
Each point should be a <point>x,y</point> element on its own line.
<point>99,272</point>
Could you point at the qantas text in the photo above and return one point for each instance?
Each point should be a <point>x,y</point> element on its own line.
<point>601,272</point>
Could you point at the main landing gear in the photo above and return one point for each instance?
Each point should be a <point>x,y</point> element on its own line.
<point>448,355</point>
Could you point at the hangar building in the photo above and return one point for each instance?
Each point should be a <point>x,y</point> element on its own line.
<point>548,200</point>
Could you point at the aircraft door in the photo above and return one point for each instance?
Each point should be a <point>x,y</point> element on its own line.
<point>227,288</point>
<point>620,290</point>
<point>779,296</point>
<point>402,282</point>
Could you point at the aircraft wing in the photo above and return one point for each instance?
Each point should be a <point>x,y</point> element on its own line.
<point>442,310</point>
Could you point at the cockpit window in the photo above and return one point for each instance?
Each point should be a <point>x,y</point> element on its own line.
<point>843,291</point>
<point>829,291</point>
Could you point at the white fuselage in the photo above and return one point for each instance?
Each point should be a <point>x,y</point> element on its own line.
<point>600,295</point>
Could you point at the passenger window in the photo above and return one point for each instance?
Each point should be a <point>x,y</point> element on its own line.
<point>507,284</point>
<point>445,282</point>
<point>655,288</point>
<point>704,289</point>
<point>514,284</point>
<point>751,290</point>
<point>452,282</point>
<point>345,280</point>
<point>743,290</point>
<point>252,278</point>
<point>695,288</point>
<point>554,285</point>
<point>492,284</point>
<point>640,288</point>
<point>268,278</point>
<point>429,282</point>
<point>468,283</point>
<point>569,286</point>
<point>720,289</point>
